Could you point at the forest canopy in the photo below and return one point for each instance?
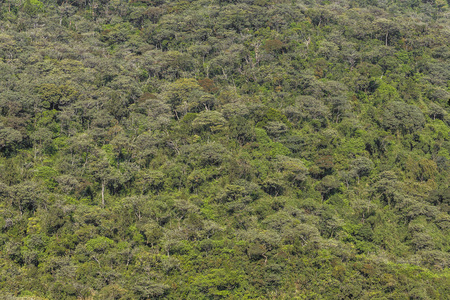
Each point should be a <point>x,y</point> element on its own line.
<point>221,149</point>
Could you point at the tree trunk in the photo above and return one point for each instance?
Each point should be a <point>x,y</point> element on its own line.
<point>103,194</point>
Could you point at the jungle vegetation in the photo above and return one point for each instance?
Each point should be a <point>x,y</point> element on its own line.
<point>224,149</point>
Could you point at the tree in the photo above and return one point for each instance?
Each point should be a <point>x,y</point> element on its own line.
<point>399,116</point>
<point>26,196</point>
<point>436,112</point>
<point>32,7</point>
<point>301,232</point>
<point>327,186</point>
<point>387,27</point>
<point>42,138</point>
<point>361,166</point>
<point>314,108</point>
<point>294,169</point>
<point>211,121</point>
<point>182,95</point>
<point>57,96</point>
<point>340,107</point>
<point>9,138</point>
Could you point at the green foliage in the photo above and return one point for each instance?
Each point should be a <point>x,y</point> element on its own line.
<point>224,149</point>
<point>32,7</point>
<point>99,244</point>
<point>48,175</point>
<point>402,117</point>
<point>210,121</point>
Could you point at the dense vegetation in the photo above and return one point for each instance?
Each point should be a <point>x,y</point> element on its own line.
<point>235,149</point>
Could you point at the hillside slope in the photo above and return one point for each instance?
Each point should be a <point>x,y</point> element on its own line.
<point>224,149</point>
